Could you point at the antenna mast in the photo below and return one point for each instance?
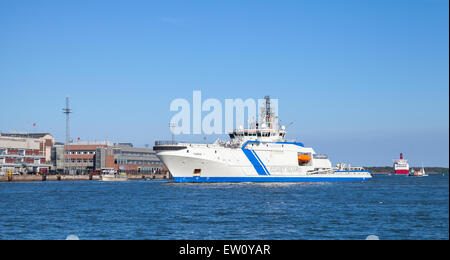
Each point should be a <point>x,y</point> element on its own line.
<point>172,126</point>
<point>268,112</point>
<point>67,111</point>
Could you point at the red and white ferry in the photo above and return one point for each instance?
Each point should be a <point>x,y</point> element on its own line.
<point>401,165</point>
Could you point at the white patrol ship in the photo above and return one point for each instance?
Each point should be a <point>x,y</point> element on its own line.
<point>258,154</point>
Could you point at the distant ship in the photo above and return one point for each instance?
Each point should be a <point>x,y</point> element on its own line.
<point>401,165</point>
<point>258,154</point>
<point>419,173</point>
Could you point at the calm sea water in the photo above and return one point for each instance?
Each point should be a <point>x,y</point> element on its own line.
<point>390,207</point>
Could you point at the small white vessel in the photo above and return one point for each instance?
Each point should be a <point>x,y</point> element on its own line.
<point>113,175</point>
<point>419,173</point>
<point>258,154</point>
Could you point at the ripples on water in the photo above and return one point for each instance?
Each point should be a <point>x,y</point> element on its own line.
<point>390,207</point>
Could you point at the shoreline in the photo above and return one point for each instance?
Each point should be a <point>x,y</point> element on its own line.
<point>131,177</point>
<point>87,177</point>
<point>391,173</point>
<point>390,170</point>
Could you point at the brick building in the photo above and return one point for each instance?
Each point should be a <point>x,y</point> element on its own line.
<point>84,157</point>
<point>79,157</point>
<point>127,158</point>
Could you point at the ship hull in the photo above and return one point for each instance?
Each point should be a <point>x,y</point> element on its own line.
<point>269,179</point>
<point>401,172</point>
<point>183,171</point>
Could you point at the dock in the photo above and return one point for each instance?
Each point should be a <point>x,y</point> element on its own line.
<point>86,177</point>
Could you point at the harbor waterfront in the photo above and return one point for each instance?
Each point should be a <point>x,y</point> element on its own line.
<point>85,177</point>
<point>167,176</point>
<point>389,207</point>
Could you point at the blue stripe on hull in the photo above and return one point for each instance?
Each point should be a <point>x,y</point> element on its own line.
<point>260,161</point>
<point>251,157</point>
<point>268,179</point>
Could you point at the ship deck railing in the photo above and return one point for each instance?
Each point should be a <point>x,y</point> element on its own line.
<point>321,172</point>
<point>165,142</point>
<point>189,144</point>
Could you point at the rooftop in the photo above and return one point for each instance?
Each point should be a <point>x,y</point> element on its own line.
<point>26,135</point>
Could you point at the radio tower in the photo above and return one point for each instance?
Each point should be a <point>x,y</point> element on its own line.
<point>67,111</point>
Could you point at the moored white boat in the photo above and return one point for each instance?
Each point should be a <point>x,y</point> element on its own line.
<point>113,175</point>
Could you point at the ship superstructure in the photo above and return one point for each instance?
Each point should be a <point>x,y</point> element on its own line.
<point>257,154</point>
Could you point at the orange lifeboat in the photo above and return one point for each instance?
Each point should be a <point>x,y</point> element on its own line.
<point>304,158</point>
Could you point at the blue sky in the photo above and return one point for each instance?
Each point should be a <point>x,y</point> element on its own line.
<point>362,80</point>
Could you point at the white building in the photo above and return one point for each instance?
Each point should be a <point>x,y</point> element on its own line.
<point>25,152</point>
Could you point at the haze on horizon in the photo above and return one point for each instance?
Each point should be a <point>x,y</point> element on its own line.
<point>361,80</point>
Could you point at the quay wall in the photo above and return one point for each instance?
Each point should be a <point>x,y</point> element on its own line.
<point>33,178</point>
